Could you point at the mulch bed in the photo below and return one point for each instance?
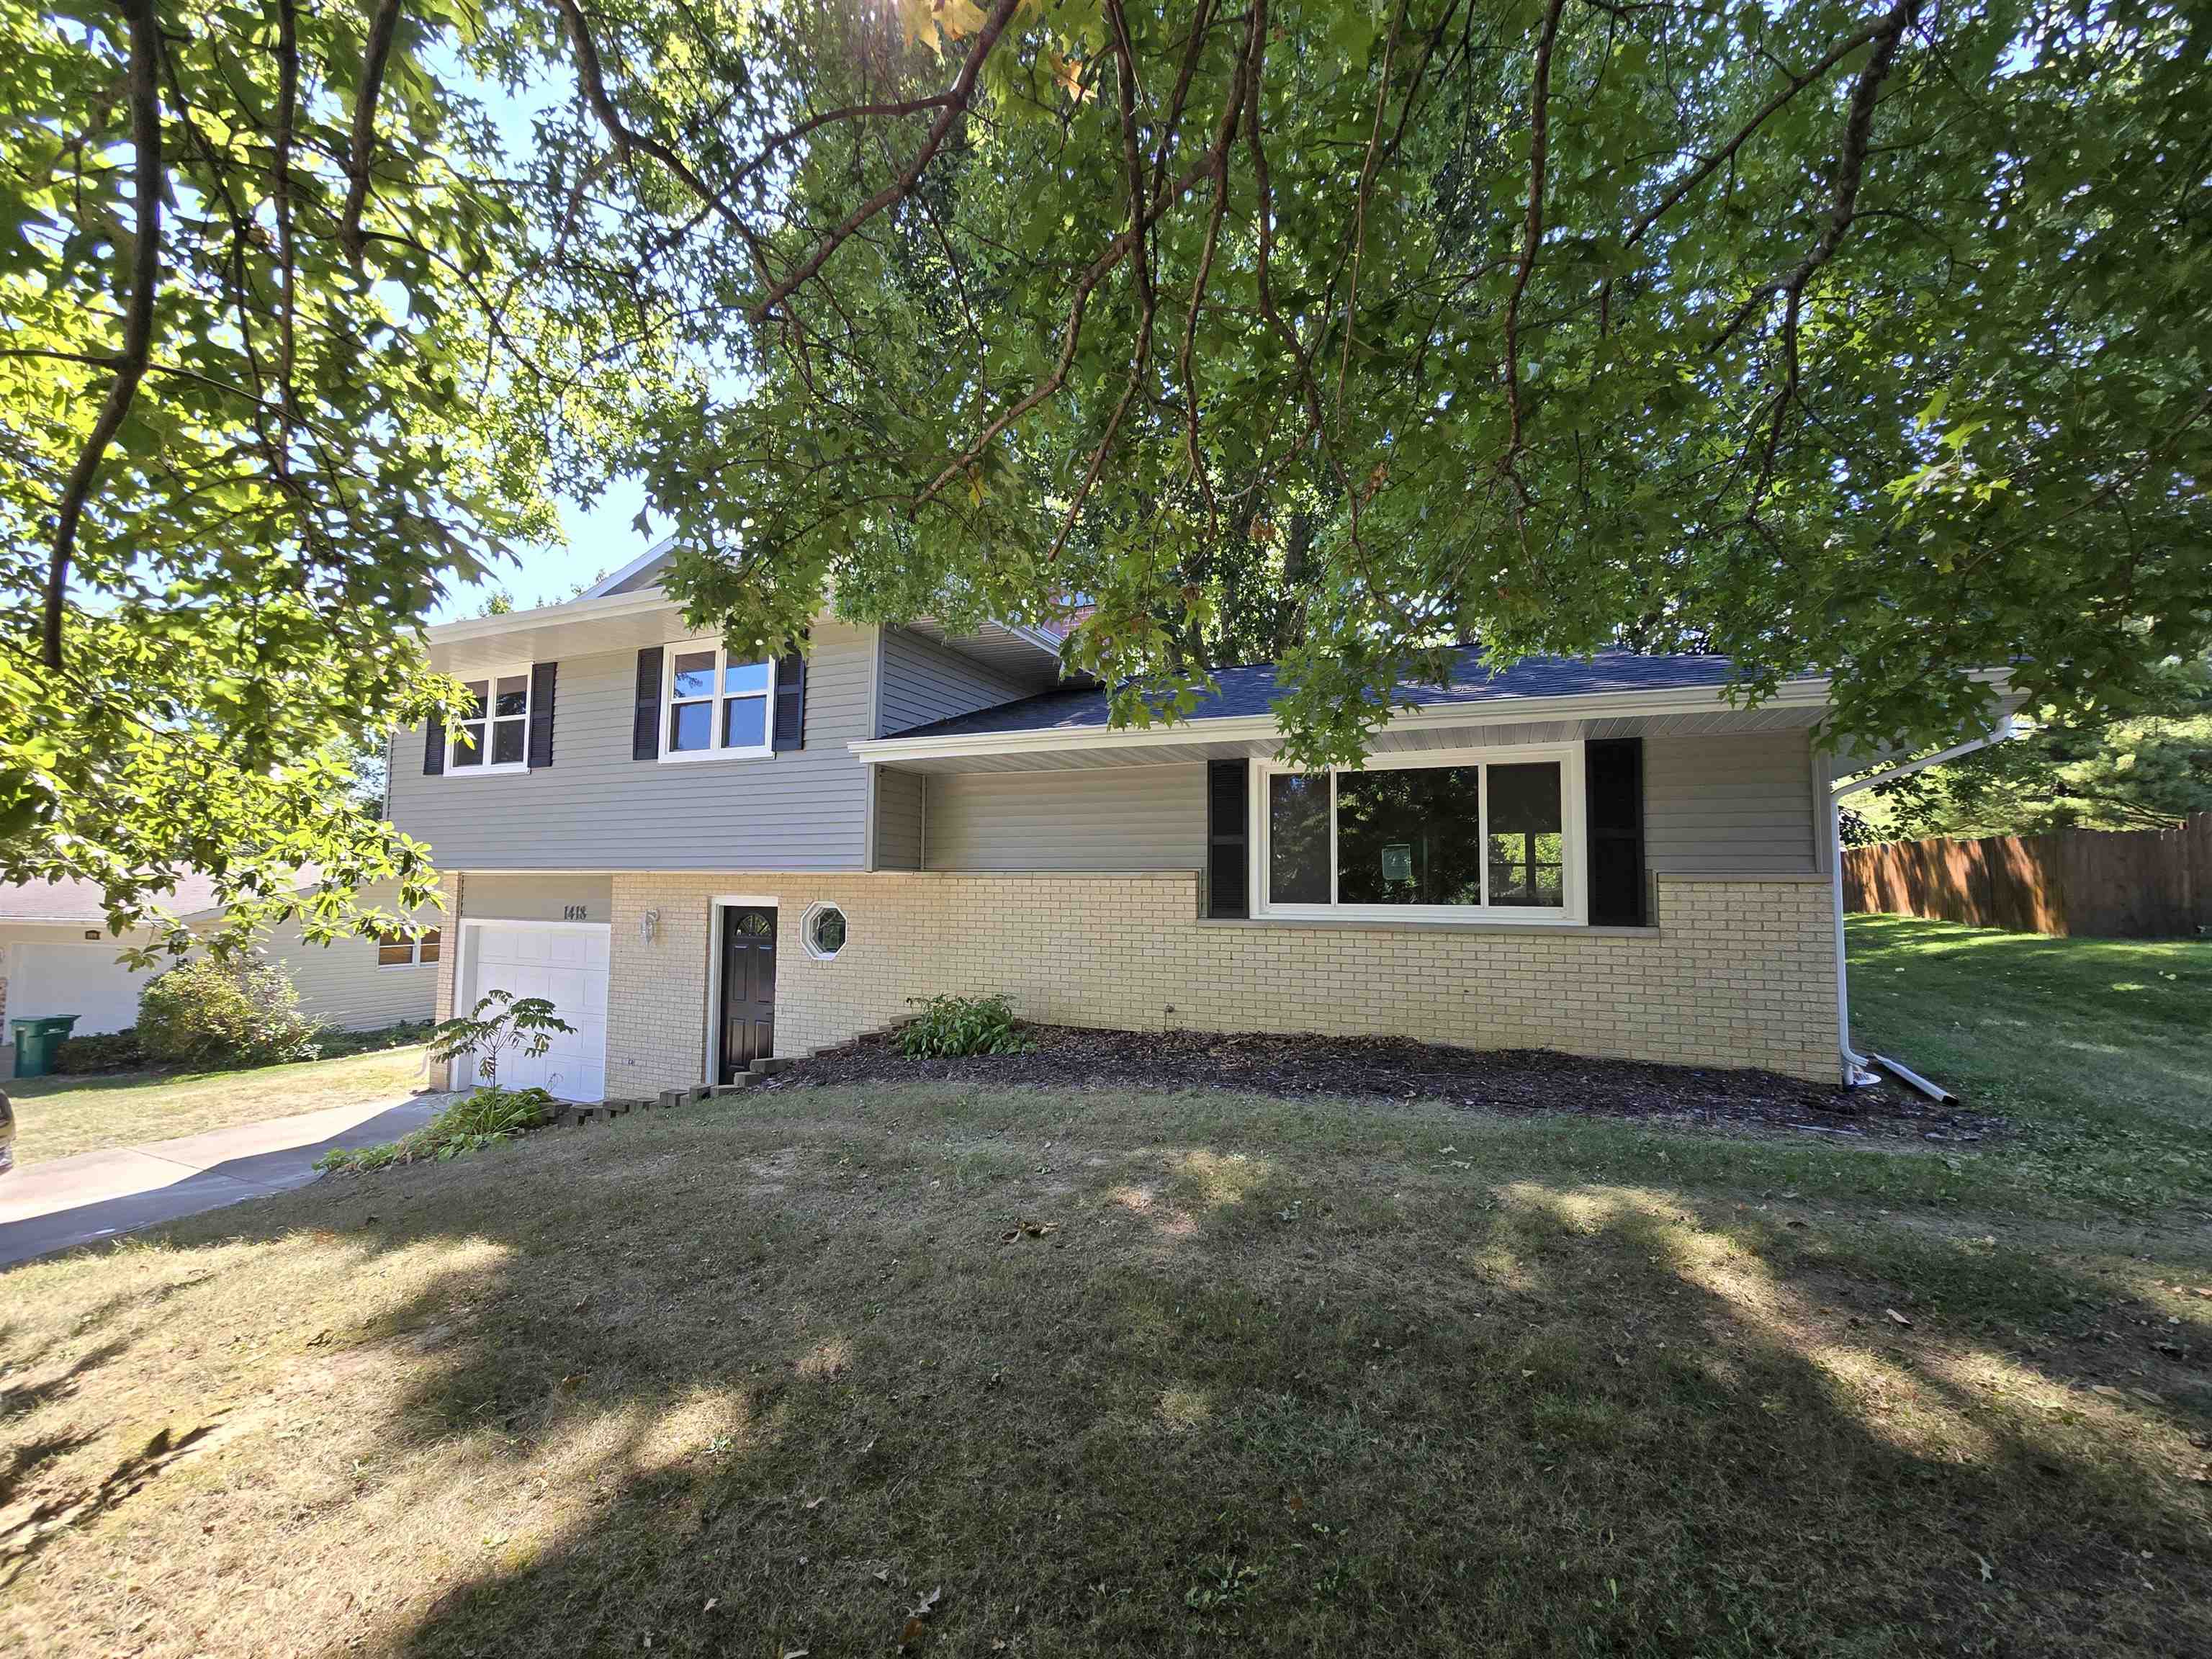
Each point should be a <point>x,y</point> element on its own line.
<point>1505,1080</point>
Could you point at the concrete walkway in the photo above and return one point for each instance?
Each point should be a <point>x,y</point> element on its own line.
<point>51,1206</point>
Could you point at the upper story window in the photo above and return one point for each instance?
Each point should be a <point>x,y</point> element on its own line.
<point>716,708</point>
<point>494,735</point>
<point>1466,836</point>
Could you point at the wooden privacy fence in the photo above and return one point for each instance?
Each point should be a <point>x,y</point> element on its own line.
<point>2130,883</point>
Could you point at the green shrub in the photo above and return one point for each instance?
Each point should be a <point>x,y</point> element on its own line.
<point>949,1026</point>
<point>206,1012</point>
<point>104,1051</point>
<point>337,1044</point>
<point>481,1118</point>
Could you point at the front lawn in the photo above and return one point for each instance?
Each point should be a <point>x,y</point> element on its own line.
<point>56,1116</point>
<point>1103,1374</point>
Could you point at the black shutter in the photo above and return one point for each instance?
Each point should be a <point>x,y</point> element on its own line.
<point>1228,810</point>
<point>790,702</point>
<point>434,747</point>
<point>542,676</point>
<point>644,727</point>
<point>1612,800</point>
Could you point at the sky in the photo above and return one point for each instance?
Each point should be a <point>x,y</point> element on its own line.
<point>601,538</point>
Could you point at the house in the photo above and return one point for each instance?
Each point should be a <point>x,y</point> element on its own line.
<point>702,861</point>
<point>56,956</point>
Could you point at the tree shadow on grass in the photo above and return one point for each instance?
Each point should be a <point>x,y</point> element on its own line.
<point>732,1384</point>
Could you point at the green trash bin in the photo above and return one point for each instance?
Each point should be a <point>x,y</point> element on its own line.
<point>37,1041</point>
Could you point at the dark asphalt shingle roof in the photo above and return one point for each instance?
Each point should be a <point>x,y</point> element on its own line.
<point>1246,691</point>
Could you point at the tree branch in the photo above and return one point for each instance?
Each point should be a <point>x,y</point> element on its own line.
<point>382,28</point>
<point>1851,167</point>
<point>1850,170</point>
<point>1532,235</point>
<point>138,318</point>
<point>956,101</point>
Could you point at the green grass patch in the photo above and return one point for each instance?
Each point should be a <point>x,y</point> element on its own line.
<point>2100,1050</point>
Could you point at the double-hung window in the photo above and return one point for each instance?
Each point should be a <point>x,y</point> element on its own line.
<point>1466,836</point>
<point>716,707</point>
<point>493,734</point>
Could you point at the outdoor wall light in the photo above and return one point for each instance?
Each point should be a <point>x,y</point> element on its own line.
<point>648,925</point>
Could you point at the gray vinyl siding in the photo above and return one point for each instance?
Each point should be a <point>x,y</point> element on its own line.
<point>899,826</point>
<point>597,809</point>
<point>1729,806</point>
<point>1121,817</point>
<point>924,682</point>
<point>1713,806</point>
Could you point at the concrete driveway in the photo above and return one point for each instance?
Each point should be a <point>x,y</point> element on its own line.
<point>77,1201</point>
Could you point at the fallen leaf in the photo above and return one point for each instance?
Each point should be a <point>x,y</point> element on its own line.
<point>1294,1503</point>
<point>1899,1317</point>
<point>713,1602</point>
<point>1008,1238</point>
<point>927,1604</point>
<point>813,1504</point>
<point>1988,1572</point>
<point>911,1632</point>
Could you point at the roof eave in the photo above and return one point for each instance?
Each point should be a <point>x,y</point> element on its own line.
<point>1808,692</point>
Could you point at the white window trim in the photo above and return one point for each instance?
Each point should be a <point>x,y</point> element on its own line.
<point>806,930</point>
<point>491,677</point>
<point>415,952</point>
<point>1574,853</point>
<point>690,756</point>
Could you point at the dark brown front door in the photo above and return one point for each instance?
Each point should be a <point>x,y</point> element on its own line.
<point>748,987</point>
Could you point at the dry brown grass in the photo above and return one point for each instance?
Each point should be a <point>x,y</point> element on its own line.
<point>1262,1376</point>
<point>60,1116</point>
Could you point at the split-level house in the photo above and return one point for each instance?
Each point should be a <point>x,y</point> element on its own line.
<point>702,862</point>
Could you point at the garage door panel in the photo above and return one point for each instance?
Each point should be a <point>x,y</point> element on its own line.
<point>85,980</point>
<point>566,967</point>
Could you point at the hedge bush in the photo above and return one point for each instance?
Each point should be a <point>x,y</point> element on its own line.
<point>206,1012</point>
<point>104,1051</point>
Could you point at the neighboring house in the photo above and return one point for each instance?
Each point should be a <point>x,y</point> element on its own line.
<point>56,956</point>
<point>700,861</point>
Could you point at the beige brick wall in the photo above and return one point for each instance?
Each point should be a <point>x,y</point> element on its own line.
<point>1737,973</point>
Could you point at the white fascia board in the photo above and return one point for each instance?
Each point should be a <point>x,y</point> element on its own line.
<point>1263,728</point>
<point>478,628</point>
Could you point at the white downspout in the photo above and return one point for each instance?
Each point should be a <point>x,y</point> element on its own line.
<point>1857,1073</point>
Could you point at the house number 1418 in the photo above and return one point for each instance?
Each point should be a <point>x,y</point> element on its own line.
<point>574,911</point>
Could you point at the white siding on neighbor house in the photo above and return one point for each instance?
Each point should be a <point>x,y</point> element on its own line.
<point>1121,817</point>
<point>924,681</point>
<point>1729,806</point>
<point>342,984</point>
<point>597,809</point>
<point>1713,806</point>
<point>54,970</point>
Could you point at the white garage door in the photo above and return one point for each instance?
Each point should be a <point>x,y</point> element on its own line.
<point>566,964</point>
<point>84,980</point>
